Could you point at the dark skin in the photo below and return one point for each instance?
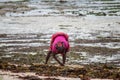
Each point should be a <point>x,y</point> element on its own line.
<point>54,56</point>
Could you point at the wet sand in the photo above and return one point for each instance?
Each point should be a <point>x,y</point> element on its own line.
<point>41,71</point>
<point>26,44</point>
<point>94,35</point>
<point>28,35</point>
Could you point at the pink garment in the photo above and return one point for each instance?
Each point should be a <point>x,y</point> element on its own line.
<point>59,36</point>
<point>59,39</point>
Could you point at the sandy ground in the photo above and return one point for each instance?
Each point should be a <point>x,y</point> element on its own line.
<point>7,75</point>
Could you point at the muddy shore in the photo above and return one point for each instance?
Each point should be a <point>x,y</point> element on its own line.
<point>83,72</point>
<point>94,34</point>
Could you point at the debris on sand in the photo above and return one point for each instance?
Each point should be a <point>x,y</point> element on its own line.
<point>82,72</point>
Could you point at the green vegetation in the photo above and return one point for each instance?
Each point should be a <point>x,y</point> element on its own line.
<point>113,11</point>
<point>14,1</point>
<point>97,13</point>
<point>85,72</point>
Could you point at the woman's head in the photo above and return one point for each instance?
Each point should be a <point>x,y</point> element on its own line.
<point>60,47</point>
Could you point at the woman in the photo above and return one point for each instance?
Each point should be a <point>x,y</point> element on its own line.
<point>59,45</point>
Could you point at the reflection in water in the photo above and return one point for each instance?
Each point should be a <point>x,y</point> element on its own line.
<point>87,58</point>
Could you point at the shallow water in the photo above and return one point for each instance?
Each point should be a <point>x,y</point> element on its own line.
<point>70,8</point>
<point>101,41</point>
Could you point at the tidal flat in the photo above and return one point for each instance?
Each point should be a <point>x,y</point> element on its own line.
<point>26,28</point>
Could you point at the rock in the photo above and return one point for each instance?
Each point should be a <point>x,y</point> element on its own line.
<point>2,35</point>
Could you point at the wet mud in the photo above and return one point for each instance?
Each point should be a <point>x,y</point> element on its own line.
<point>29,48</point>
<point>31,59</point>
<point>13,7</point>
<point>93,26</point>
<point>60,8</point>
<point>83,72</point>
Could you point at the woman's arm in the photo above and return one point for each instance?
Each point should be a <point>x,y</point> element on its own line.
<point>48,56</point>
<point>54,55</point>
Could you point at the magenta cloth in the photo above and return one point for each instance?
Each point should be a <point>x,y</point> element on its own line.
<point>59,39</point>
